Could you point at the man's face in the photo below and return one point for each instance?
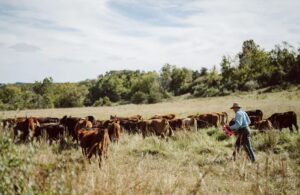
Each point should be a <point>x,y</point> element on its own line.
<point>235,109</point>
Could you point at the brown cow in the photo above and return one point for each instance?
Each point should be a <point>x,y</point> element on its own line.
<point>11,122</point>
<point>43,120</point>
<point>132,118</point>
<point>143,126</point>
<point>256,113</point>
<point>114,131</point>
<point>176,124</point>
<point>52,132</point>
<point>211,119</point>
<point>284,120</point>
<point>167,116</point>
<point>159,127</point>
<point>83,123</point>
<point>87,139</point>
<point>190,123</point>
<point>129,125</point>
<point>254,119</point>
<point>24,127</point>
<point>263,125</point>
<point>200,122</point>
<point>100,145</point>
<point>70,123</point>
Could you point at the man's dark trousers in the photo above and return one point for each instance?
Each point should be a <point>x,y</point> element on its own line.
<point>245,140</point>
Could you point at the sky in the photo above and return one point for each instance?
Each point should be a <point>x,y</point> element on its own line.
<point>74,40</point>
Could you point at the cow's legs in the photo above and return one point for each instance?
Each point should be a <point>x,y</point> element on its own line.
<point>100,154</point>
<point>296,126</point>
<point>291,128</point>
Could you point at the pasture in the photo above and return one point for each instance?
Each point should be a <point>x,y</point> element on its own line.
<point>188,163</point>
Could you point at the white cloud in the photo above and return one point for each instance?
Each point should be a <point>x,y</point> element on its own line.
<point>24,47</point>
<point>76,39</point>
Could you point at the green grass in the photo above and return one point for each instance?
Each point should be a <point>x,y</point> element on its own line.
<point>189,162</point>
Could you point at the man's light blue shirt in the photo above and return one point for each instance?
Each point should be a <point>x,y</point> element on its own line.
<point>241,120</point>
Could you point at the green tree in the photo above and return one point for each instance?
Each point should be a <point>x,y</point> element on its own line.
<point>181,80</point>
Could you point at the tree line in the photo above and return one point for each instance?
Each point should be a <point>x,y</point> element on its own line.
<point>252,68</point>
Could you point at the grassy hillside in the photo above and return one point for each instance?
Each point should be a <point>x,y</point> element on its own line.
<point>182,106</point>
<point>188,163</point>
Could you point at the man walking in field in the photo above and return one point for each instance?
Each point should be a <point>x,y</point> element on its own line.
<point>241,128</point>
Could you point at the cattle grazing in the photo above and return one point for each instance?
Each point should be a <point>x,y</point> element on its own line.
<point>143,126</point>
<point>254,119</point>
<point>86,139</point>
<point>190,124</point>
<point>205,121</point>
<point>257,113</point>
<point>43,120</point>
<point>82,123</point>
<point>92,119</point>
<point>159,127</point>
<point>167,116</point>
<point>69,123</point>
<point>211,119</point>
<point>263,125</point>
<point>53,132</point>
<point>114,131</point>
<point>132,118</point>
<point>201,124</point>
<point>284,120</point>
<point>100,146</point>
<point>223,117</point>
<point>176,124</point>
<point>94,141</point>
<point>11,122</point>
<point>129,125</point>
<point>24,127</point>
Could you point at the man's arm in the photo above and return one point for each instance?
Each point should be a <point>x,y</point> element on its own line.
<point>237,121</point>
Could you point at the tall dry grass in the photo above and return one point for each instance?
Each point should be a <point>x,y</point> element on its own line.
<point>188,163</point>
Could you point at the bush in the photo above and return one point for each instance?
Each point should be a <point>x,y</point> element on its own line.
<point>139,98</point>
<point>201,90</point>
<point>13,168</point>
<point>250,86</point>
<point>105,101</point>
<point>154,97</point>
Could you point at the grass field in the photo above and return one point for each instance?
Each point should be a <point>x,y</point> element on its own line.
<point>188,163</point>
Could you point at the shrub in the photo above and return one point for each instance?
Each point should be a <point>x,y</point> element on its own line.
<point>139,98</point>
<point>13,168</point>
<point>105,101</point>
<point>250,86</point>
<point>154,97</point>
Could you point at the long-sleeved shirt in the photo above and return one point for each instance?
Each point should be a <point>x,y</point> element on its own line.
<point>241,120</point>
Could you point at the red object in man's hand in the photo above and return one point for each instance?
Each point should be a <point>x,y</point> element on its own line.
<point>227,130</point>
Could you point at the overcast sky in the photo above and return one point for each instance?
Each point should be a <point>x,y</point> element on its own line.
<point>72,40</point>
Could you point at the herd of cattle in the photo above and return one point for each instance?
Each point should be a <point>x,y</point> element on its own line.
<point>94,135</point>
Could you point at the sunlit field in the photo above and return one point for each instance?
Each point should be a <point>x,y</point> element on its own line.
<point>182,106</point>
<point>187,163</point>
